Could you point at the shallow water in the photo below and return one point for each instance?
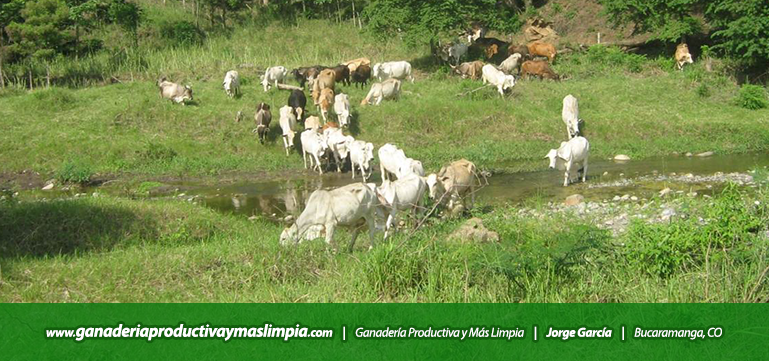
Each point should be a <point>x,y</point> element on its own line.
<point>606,179</point>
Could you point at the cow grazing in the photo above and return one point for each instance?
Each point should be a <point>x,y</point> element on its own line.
<point>353,205</point>
<point>313,147</point>
<point>231,83</point>
<point>388,89</point>
<point>325,102</point>
<point>495,77</point>
<point>569,157</point>
<point>341,74</point>
<point>304,74</point>
<point>339,145</point>
<point>273,76</point>
<point>457,180</point>
<point>174,92</point>
<point>312,122</point>
<point>683,56</point>
<point>476,31</point>
<point>262,117</point>
<point>395,69</point>
<point>288,125</point>
<point>454,52</point>
<point>297,101</point>
<point>325,80</point>
<point>361,75</point>
<point>404,194</point>
<point>361,155</point>
<point>570,115</point>
<point>511,65</point>
<point>342,109</point>
<point>539,48</point>
<point>393,163</point>
<point>539,68</point>
<point>490,49</point>
<point>470,69</point>
<point>520,49</point>
<point>356,63</point>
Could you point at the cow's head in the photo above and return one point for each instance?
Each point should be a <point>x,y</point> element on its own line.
<point>491,50</point>
<point>377,70</point>
<point>552,155</point>
<point>508,83</point>
<point>435,186</point>
<point>187,93</point>
<point>289,235</point>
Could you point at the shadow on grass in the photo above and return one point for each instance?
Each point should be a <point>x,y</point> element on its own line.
<point>68,227</point>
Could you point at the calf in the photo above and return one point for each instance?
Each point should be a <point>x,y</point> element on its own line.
<point>342,109</point>
<point>325,101</point>
<point>539,68</point>
<point>569,156</point>
<point>683,56</point>
<point>388,89</point>
<point>395,69</point>
<point>495,77</point>
<point>231,83</point>
<point>470,69</point>
<point>538,48</point>
<point>297,101</point>
<point>273,75</point>
<point>353,205</point>
<point>287,124</point>
<point>174,92</point>
<point>361,155</point>
<point>361,75</point>
<point>511,64</point>
<point>570,115</point>
<point>262,117</point>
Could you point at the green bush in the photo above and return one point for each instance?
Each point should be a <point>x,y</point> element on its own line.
<point>703,91</point>
<point>614,57</point>
<point>183,33</point>
<point>74,172</point>
<point>752,97</point>
<point>154,152</point>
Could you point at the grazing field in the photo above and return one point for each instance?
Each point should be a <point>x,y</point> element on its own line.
<point>135,249</point>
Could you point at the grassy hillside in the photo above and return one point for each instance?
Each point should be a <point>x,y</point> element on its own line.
<point>127,129</point>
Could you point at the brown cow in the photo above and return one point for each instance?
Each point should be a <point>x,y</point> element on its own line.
<point>341,74</point>
<point>538,48</point>
<point>520,49</point>
<point>326,101</point>
<point>325,80</point>
<point>683,56</point>
<point>470,69</point>
<point>538,68</point>
<point>355,63</point>
<point>361,75</point>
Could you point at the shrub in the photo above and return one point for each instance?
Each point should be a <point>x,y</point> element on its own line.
<point>74,172</point>
<point>703,91</point>
<point>182,33</point>
<point>752,97</point>
<point>153,152</point>
<point>615,57</point>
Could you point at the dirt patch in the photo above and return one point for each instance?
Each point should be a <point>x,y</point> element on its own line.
<point>26,179</point>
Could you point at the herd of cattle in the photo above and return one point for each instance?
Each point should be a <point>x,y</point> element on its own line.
<point>404,183</point>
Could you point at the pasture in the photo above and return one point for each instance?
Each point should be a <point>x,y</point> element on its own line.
<point>132,249</point>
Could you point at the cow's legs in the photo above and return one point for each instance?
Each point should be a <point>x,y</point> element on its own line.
<point>352,166</point>
<point>371,231</point>
<point>584,171</point>
<point>285,144</point>
<point>382,169</point>
<point>566,177</point>
<point>355,232</point>
<point>304,158</point>
<point>330,227</point>
<point>317,163</point>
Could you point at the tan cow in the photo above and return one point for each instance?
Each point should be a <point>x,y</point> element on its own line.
<point>683,56</point>
<point>326,101</point>
<point>355,63</point>
<point>457,181</point>
<point>326,79</point>
<point>470,69</point>
<point>174,92</point>
<point>538,68</point>
<point>538,48</point>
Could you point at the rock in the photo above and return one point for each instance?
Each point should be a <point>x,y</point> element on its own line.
<point>667,213</point>
<point>473,230</point>
<point>625,197</point>
<point>616,198</point>
<point>665,192</point>
<point>605,173</point>
<point>621,157</point>
<point>634,198</point>
<point>253,218</point>
<point>573,200</point>
<point>689,175</point>
<point>48,187</point>
<point>688,154</point>
<point>705,154</point>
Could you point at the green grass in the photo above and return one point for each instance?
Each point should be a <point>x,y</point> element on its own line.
<point>111,249</point>
<point>126,128</point>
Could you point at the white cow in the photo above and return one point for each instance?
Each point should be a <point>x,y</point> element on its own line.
<point>313,147</point>
<point>454,52</point>
<point>288,125</point>
<point>457,180</point>
<point>409,166</point>
<point>570,115</point>
<point>177,93</point>
<point>395,69</point>
<point>231,83</point>
<point>273,75</point>
<point>342,109</point>
<point>312,122</point>
<point>388,89</point>
<point>353,205</point>
<point>495,77</point>
<point>339,145</point>
<point>361,155</point>
<point>404,194</point>
<point>569,156</point>
<point>390,160</point>
<point>511,64</point>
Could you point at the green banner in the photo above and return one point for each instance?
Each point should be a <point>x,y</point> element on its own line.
<point>384,331</point>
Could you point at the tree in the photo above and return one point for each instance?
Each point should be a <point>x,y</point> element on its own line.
<point>667,20</point>
<point>742,28</point>
<point>126,15</point>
